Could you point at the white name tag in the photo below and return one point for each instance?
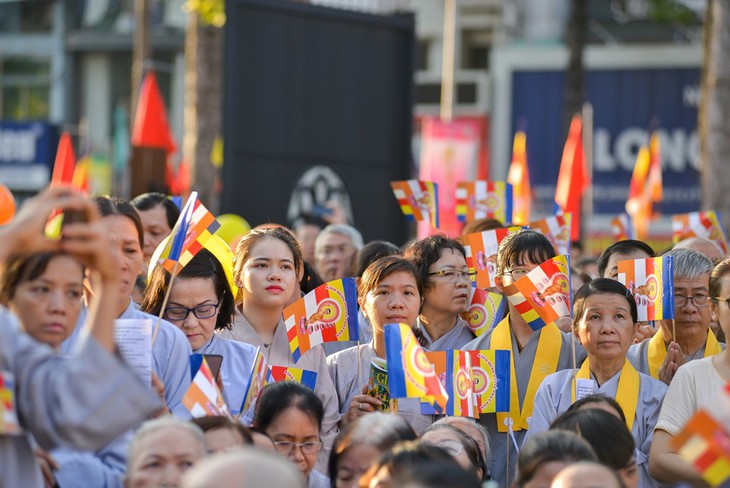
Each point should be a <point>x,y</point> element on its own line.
<point>583,388</point>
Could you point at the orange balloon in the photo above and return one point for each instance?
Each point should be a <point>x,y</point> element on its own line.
<point>7,205</point>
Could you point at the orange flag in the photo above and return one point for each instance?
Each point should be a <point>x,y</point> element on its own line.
<point>150,122</point>
<point>573,178</point>
<point>519,177</point>
<point>63,167</point>
<point>645,189</point>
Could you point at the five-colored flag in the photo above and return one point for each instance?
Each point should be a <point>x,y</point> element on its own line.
<point>491,378</point>
<point>482,253</point>
<point>203,396</point>
<point>484,199</point>
<point>326,314</point>
<point>557,229</point>
<point>700,224</point>
<point>544,294</point>
<point>410,373</point>
<point>259,378</point>
<point>622,228</point>
<point>290,373</point>
<point>485,311</point>
<point>418,200</point>
<point>651,280</point>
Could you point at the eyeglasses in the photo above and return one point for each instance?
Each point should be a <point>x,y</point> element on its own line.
<point>697,300</point>
<point>286,448</point>
<point>726,300</point>
<point>454,275</point>
<point>204,311</point>
<point>516,274</point>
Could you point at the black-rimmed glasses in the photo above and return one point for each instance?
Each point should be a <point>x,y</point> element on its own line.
<point>286,447</point>
<point>204,311</point>
<point>454,275</point>
<point>697,300</point>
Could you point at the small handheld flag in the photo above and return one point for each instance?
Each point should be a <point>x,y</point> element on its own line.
<point>418,200</point>
<point>290,373</point>
<point>651,281</point>
<point>484,199</point>
<point>557,230</point>
<point>699,224</point>
<point>482,254</point>
<point>326,314</point>
<point>410,373</point>
<point>192,230</point>
<point>260,377</point>
<point>203,396</point>
<point>622,228</point>
<point>491,374</point>
<point>544,294</point>
<point>485,311</point>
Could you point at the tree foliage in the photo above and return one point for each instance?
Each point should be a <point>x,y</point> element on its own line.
<point>211,12</point>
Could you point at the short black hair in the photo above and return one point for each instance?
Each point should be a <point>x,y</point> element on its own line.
<point>276,398</point>
<point>622,247</point>
<point>523,246</point>
<point>425,252</point>
<point>596,287</point>
<point>109,206</point>
<point>372,251</point>
<point>598,398</point>
<point>147,201</point>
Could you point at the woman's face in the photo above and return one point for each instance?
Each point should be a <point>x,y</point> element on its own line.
<point>162,457</point>
<point>156,228</point>
<point>199,294</point>
<point>353,463</point>
<point>450,441</point>
<point>125,238</point>
<point>606,329</point>
<point>49,305</point>
<point>394,300</point>
<point>269,276</point>
<point>294,426</point>
<point>544,474</point>
<point>448,292</point>
<point>721,308</point>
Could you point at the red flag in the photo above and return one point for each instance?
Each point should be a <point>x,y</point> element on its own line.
<point>63,168</point>
<point>519,176</point>
<point>645,189</point>
<point>573,178</point>
<point>150,123</point>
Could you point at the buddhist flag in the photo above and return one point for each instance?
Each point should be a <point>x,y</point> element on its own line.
<point>651,280</point>
<point>645,189</point>
<point>573,178</point>
<point>326,314</point>
<point>410,373</point>
<point>453,368</point>
<point>483,248</point>
<point>192,230</point>
<point>544,294</point>
<point>622,228</point>
<point>519,177</point>
<point>290,373</point>
<point>203,396</point>
<point>9,424</point>
<point>557,229</point>
<point>491,377</point>
<point>63,167</point>
<point>484,199</point>
<point>418,200</point>
<point>485,311</point>
<point>699,224</point>
<point>150,122</point>
<point>705,444</point>
<point>259,378</point>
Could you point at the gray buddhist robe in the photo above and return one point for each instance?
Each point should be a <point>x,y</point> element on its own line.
<point>84,401</point>
<point>349,382</point>
<point>456,338</point>
<point>500,441</point>
<point>555,396</point>
<point>637,356</point>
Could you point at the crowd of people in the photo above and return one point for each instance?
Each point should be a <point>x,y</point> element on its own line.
<point>73,413</point>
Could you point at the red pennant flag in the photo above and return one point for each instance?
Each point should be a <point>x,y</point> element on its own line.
<point>63,167</point>
<point>150,123</point>
<point>573,178</point>
<point>519,177</point>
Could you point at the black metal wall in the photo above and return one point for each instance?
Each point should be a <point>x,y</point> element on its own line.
<point>307,86</point>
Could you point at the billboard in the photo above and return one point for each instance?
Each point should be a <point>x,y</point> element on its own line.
<point>627,103</point>
<point>27,150</point>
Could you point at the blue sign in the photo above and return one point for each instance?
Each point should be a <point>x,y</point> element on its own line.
<point>627,104</point>
<point>27,151</point>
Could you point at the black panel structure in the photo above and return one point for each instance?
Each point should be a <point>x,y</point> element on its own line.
<point>307,86</point>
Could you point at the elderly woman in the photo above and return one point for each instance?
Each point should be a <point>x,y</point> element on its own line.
<point>441,265</point>
<point>604,320</point>
<point>389,292</point>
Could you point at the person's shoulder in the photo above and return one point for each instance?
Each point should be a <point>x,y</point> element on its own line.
<point>236,345</point>
<point>343,355</point>
<point>696,367</point>
<point>652,384</point>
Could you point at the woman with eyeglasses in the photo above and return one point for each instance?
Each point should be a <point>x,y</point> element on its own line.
<point>201,302</point>
<point>462,447</point>
<point>696,384</point>
<point>604,321</point>
<point>291,414</point>
<point>442,269</point>
<point>389,292</point>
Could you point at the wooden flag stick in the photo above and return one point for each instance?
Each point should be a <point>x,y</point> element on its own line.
<point>674,330</point>
<point>164,302</point>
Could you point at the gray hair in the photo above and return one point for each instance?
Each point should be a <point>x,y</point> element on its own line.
<point>342,229</point>
<point>689,264</point>
<point>457,421</point>
<point>167,421</point>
